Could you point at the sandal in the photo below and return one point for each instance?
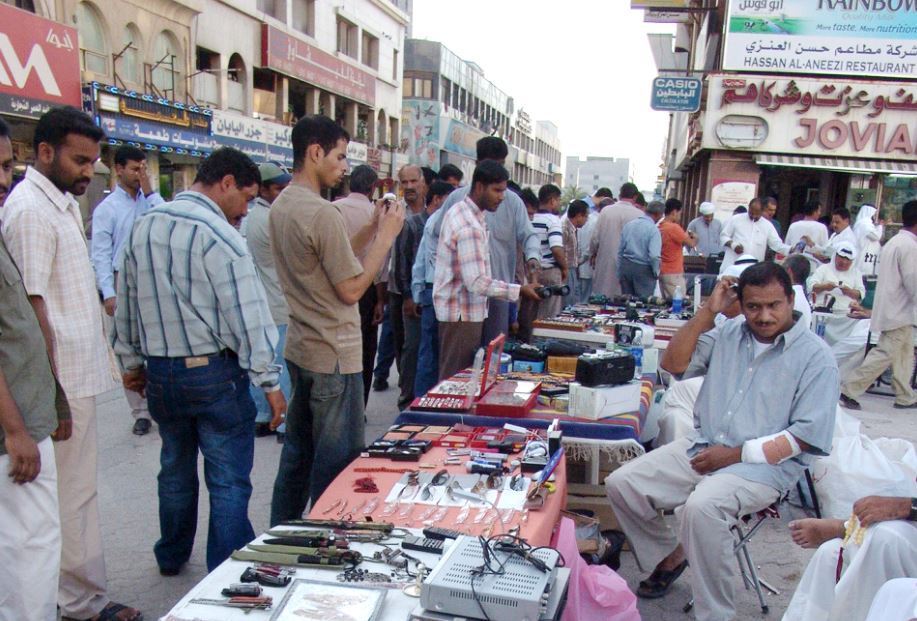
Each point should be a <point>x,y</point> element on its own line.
<point>660,581</point>
<point>110,613</point>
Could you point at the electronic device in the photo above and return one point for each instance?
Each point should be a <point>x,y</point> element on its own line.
<point>435,532</point>
<point>549,290</point>
<point>596,402</point>
<point>632,333</point>
<point>420,544</point>
<point>605,367</point>
<point>522,592</point>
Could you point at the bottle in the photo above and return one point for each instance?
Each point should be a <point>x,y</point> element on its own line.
<point>677,301</point>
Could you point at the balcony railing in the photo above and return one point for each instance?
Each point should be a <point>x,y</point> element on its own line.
<point>206,89</point>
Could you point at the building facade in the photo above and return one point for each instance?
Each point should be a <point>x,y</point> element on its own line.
<point>801,101</point>
<point>449,105</point>
<point>595,172</point>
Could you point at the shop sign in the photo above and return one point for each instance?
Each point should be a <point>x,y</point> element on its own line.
<point>822,37</point>
<point>300,60</point>
<point>661,16</point>
<point>374,158</point>
<point>420,131</point>
<point>840,118</point>
<point>676,94</point>
<point>659,4</point>
<point>39,64</point>
<point>263,141</point>
<point>150,136</point>
<point>462,139</point>
<point>727,194</point>
<point>357,152</point>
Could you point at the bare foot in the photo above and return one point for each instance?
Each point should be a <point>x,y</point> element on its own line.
<point>812,532</point>
<point>673,560</point>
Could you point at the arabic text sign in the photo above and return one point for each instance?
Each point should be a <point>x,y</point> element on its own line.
<point>676,94</point>
<point>39,64</point>
<point>308,63</point>
<point>843,118</point>
<point>822,37</point>
<point>231,125</point>
<point>147,132</point>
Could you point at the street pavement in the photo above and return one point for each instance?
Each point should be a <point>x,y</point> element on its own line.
<point>128,466</point>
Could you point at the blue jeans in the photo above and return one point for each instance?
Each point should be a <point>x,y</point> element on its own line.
<point>636,278</point>
<point>385,357</point>
<point>324,420</point>
<point>428,353</point>
<point>209,408</point>
<point>261,404</point>
<point>583,289</point>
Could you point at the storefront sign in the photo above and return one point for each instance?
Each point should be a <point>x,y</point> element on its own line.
<point>374,158</point>
<point>877,38</point>
<point>660,16</point>
<point>150,135</point>
<point>39,64</point>
<point>840,118</point>
<point>659,4</point>
<point>726,195</point>
<point>462,139</point>
<point>305,62</point>
<point>357,152</point>
<point>263,141</point>
<point>676,94</point>
<point>420,131</point>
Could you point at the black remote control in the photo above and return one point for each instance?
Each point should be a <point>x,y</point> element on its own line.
<point>435,546</point>
<point>434,532</point>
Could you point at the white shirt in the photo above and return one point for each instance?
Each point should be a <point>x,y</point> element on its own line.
<point>847,235</point>
<point>815,230</point>
<point>827,273</point>
<point>755,237</point>
<point>583,242</point>
<point>801,304</point>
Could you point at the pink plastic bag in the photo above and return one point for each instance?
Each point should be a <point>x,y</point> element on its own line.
<point>595,591</point>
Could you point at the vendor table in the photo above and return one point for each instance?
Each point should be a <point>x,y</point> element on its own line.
<point>536,528</point>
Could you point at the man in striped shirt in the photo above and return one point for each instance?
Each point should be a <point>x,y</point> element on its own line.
<point>193,329</point>
<point>553,255</point>
<point>463,284</point>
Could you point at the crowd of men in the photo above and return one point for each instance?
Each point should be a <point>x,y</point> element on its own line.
<point>249,302</point>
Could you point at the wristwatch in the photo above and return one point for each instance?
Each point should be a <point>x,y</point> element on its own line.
<point>913,515</point>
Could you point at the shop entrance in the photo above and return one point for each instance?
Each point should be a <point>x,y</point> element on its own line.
<point>794,187</point>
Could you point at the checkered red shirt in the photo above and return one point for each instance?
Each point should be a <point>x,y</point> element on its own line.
<point>463,282</point>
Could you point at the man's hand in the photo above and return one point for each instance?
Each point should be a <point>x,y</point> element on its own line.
<point>378,312</point>
<point>110,304</point>
<point>723,296</point>
<point>64,430</point>
<point>715,457</point>
<point>564,272</point>
<point>25,460</point>
<point>528,291</point>
<point>738,248</point>
<point>808,241</point>
<point>533,269</point>
<point>146,185</point>
<point>872,509</point>
<point>850,293</point>
<point>391,221</point>
<point>410,308</point>
<point>135,380</point>
<point>278,405</point>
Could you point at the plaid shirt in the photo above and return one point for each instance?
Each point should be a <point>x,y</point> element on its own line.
<point>43,230</point>
<point>463,282</point>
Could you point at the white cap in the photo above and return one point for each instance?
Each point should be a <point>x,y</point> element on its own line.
<point>846,250</point>
<point>741,264</point>
<point>707,208</point>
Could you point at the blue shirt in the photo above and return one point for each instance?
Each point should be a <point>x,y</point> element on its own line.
<point>508,226</point>
<point>188,287</point>
<point>708,236</point>
<point>112,221</point>
<point>641,242</point>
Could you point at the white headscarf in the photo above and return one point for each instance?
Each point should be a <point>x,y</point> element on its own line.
<point>864,228</point>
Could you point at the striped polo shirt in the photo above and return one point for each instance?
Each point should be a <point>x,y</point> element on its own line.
<point>551,235</point>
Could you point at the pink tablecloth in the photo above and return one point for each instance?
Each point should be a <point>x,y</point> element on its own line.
<point>537,529</point>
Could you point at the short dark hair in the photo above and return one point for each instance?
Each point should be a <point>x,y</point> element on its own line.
<point>428,175</point>
<point>128,153</point>
<point>547,192</point>
<point>438,188</point>
<point>641,200</point>
<point>656,207</point>
<point>515,187</point>
<point>528,197</point>
<point>909,214</point>
<point>740,209</point>
<point>489,172</point>
<point>604,192</point>
<point>450,171</point>
<point>228,161</point>
<point>799,267</point>
<point>812,206</point>
<point>577,208</point>
<point>767,200</point>
<point>315,129</point>
<point>841,212</point>
<point>673,204</point>
<point>753,202</point>
<point>764,273</point>
<point>57,123</point>
<point>491,148</point>
<point>4,129</point>
<point>362,179</point>
<point>628,190</point>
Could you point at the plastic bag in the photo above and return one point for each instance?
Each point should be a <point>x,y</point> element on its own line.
<point>595,591</point>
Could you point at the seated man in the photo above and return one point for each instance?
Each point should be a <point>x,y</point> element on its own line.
<point>752,442</point>
<point>839,280</point>
<point>888,550</point>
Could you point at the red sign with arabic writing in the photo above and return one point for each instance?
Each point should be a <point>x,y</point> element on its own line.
<point>298,59</point>
<point>39,63</point>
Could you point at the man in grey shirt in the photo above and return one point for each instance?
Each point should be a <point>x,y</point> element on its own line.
<point>751,441</point>
<point>258,237</point>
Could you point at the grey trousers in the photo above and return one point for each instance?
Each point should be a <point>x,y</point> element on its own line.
<point>636,279</point>
<point>458,342</point>
<point>705,505</point>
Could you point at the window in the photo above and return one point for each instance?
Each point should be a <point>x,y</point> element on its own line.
<point>275,8</point>
<point>370,50</point>
<point>129,64</point>
<point>347,38</point>
<point>304,16</point>
<point>395,65</point>
<point>93,44</point>
<point>407,87</point>
<point>167,60</point>
<point>446,89</point>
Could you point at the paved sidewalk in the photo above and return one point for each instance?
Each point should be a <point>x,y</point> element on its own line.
<point>127,489</point>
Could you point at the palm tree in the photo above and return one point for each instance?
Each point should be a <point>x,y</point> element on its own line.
<point>571,193</point>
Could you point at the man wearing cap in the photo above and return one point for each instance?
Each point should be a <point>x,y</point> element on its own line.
<point>258,237</point>
<point>707,230</point>
<point>750,233</point>
<point>839,280</point>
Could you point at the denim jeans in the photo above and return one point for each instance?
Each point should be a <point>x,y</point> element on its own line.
<point>385,356</point>
<point>583,290</point>
<point>261,404</point>
<point>428,352</point>
<point>210,408</point>
<point>324,421</point>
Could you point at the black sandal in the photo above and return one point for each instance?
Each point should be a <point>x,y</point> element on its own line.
<point>110,613</point>
<point>660,581</point>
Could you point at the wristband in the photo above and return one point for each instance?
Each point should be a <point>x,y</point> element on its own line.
<point>773,449</point>
<point>269,388</point>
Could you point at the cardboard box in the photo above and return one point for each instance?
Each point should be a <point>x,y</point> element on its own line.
<point>562,364</point>
<point>592,498</point>
<point>597,402</point>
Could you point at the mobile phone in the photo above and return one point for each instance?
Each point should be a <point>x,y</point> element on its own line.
<point>388,200</point>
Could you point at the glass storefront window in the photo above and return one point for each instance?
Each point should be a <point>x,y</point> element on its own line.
<point>897,190</point>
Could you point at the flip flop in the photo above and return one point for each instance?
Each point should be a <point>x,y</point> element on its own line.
<point>110,613</point>
<point>659,582</point>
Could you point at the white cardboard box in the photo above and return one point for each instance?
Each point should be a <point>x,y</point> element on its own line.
<point>604,401</point>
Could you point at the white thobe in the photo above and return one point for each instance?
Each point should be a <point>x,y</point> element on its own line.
<point>895,601</point>
<point>605,243</point>
<point>813,229</point>
<point>755,237</point>
<point>847,235</point>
